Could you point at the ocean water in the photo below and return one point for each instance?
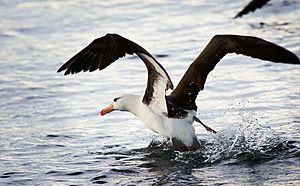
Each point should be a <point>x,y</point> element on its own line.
<point>50,129</point>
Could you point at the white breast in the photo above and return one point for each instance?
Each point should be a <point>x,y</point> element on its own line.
<point>153,121</point>
<point>169,127</point>
<point>181,129</point>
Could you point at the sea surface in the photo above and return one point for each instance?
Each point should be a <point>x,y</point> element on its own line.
<point>50,129</point>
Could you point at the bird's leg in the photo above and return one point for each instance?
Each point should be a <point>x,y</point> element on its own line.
<point>205,126</point>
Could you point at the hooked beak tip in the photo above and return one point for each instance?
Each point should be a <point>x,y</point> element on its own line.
<point>101,113</point>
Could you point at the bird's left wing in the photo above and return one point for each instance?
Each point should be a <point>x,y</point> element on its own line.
<point>185,94</point>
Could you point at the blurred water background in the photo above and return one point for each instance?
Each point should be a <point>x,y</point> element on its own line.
<point>50,130</point>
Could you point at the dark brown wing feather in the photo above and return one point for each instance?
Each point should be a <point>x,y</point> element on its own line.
<point>193,81</point>
<point>251,7</point>
<point>101,53</point>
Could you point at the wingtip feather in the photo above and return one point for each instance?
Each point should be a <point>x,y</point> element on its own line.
<point>60,69</point>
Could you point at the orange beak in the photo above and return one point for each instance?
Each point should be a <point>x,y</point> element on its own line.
<point>107,110</point>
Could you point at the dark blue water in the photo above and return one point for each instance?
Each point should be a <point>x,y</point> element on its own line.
<point>51,133</point>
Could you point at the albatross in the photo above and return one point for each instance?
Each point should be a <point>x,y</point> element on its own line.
<point>171,115</point>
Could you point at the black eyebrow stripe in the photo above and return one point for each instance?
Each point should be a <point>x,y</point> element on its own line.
<point>116,99</point>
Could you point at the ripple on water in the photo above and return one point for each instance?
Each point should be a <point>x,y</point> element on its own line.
<point>57,136</point>
<point>98,179</point>
<point>123,171</point>
<point>74,173</point>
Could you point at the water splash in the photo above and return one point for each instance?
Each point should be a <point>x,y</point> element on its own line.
<point>246,140</point>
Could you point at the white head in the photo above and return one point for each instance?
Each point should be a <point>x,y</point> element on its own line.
<point>123,103</point>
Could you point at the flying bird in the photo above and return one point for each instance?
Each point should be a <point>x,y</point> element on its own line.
<point>251,7</point>
<point>171,115</point>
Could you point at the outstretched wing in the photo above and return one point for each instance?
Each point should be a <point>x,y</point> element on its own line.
<point>251,7</point>
<point>193,81</point>
<point>107,49</point>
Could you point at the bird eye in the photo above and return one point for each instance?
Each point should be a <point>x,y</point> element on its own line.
<point>116,99</point>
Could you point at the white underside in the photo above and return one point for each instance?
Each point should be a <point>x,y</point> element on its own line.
<point>181,129</point>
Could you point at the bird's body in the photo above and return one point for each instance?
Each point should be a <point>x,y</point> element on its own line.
<point>170,128</point>
<point>171,115</point>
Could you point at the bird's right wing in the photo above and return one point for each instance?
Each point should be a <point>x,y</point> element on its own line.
<point>107,49</point>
